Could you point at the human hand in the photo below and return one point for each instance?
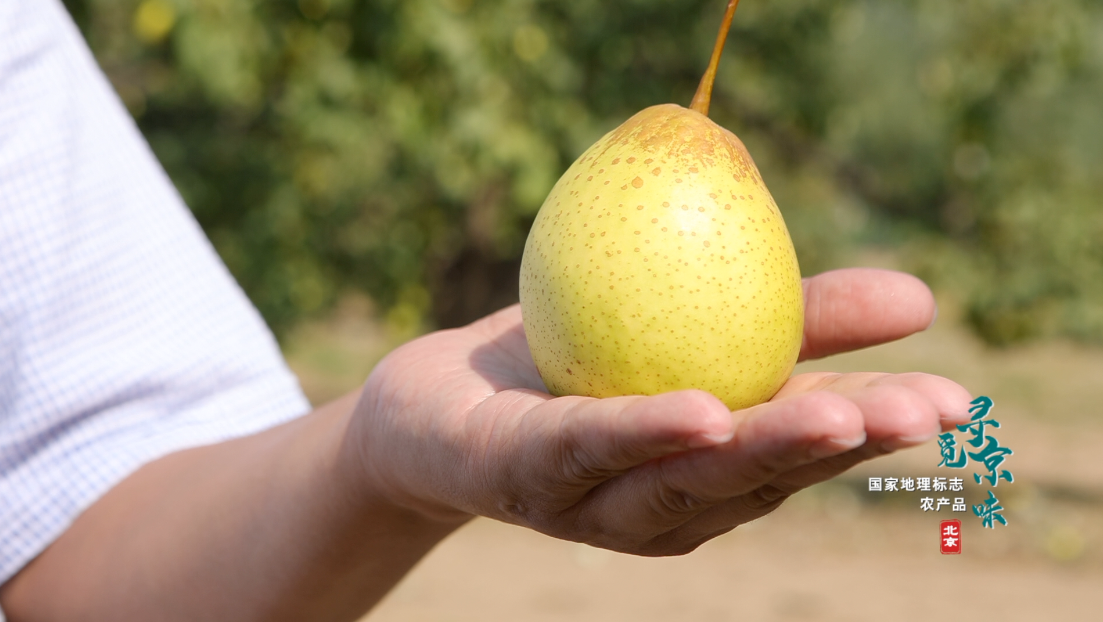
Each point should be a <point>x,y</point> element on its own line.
<point>458,423</point>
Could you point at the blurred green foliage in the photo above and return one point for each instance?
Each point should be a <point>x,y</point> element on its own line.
<point>383,145</point>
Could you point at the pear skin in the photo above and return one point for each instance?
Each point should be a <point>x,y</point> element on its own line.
<point>659,262</point>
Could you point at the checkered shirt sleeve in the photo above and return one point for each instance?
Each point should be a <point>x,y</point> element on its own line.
<point>122,336</point>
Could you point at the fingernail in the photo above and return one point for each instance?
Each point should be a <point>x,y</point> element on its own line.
<point>955,417</point>
<point>901,442</point>
<point>834,446</point>
<point>699,441</point>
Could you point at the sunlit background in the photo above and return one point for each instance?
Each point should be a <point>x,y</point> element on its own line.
<point>369,169</point>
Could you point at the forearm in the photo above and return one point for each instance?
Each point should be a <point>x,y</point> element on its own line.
<point>276,526</point>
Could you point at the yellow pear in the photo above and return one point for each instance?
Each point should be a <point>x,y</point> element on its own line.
<point>659,262</point>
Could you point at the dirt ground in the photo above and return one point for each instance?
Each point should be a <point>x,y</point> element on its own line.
<point>799,564</point>
<point>833,552</point>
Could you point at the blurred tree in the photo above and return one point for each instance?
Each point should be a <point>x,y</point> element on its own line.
<point>403,148</point>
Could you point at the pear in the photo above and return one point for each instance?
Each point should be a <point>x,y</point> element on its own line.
<point>659,261</point>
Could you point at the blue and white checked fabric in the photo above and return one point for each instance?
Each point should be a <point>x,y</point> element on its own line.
<point>122,336</point>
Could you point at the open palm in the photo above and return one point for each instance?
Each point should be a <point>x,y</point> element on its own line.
<point>470,429</point>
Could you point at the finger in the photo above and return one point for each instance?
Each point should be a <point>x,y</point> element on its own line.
<point>564,447</point>
<point>613,435</point>
<point>770,439</point>
<point>898,411</point>
<point>949,399</point>
<point>859,307</point>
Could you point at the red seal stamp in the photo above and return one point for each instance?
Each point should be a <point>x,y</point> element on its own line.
<point>950,537</point>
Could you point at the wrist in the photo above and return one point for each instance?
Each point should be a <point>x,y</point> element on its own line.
<point>384,474</point>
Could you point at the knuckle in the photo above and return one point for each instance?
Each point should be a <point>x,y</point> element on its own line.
<point>577,463</point>
<point>766,467</point>
<point>765,498</point>
<point>580,467</point>
<point>673,502</point>
<point>515,511</point>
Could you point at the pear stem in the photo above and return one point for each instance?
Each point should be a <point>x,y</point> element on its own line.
<point>703,97</point>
